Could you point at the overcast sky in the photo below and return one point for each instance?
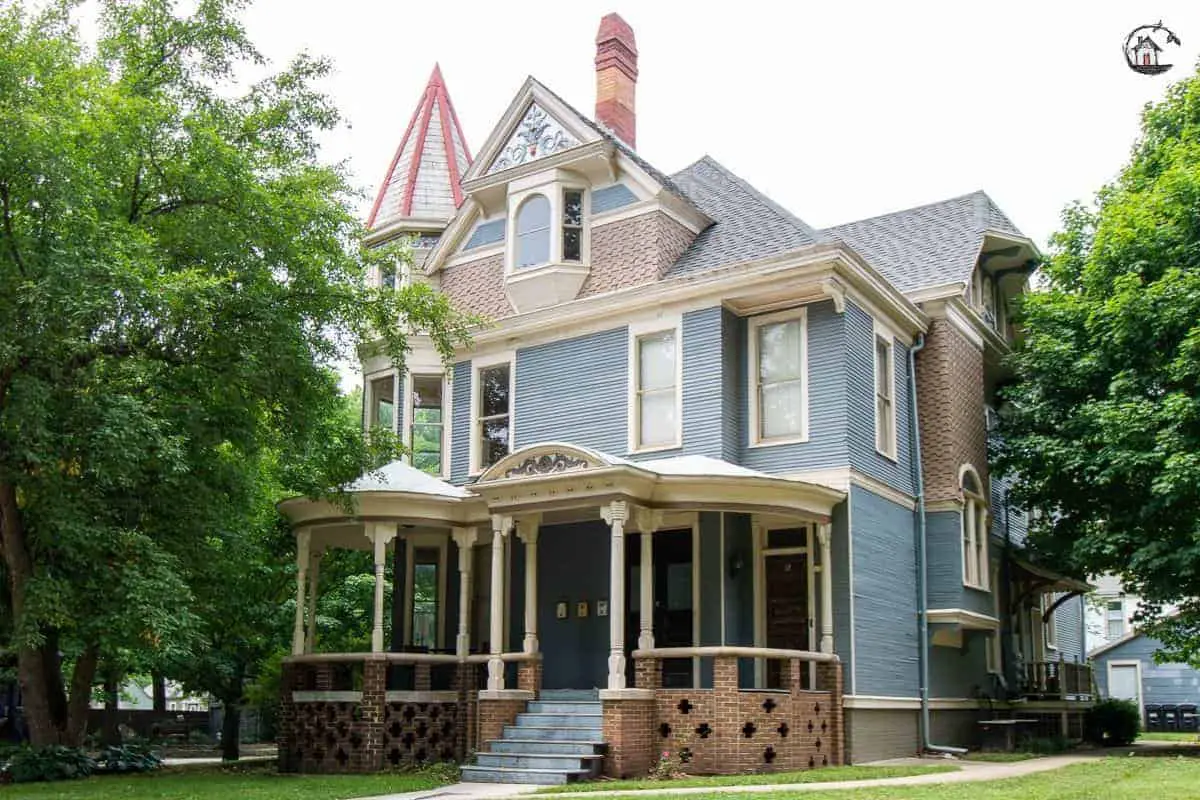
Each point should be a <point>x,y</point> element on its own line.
<point>838,110</point>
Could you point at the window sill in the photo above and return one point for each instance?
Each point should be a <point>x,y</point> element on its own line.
<point>779,441</point>
<point>658,448</point>
<point>977,587</point>
<point>892,457</point>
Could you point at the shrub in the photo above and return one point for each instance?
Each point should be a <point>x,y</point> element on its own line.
<point>54,763</point>
<point>199,736</point>
<point>1044,745</point>
<point>128,758</point>
<point>1112,723</point>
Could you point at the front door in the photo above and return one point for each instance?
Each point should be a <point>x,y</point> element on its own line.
<point>1123,683</point>
<point>787,611</point>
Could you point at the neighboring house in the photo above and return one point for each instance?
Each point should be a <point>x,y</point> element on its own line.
<point>675,489</point>
<point>137,696</point>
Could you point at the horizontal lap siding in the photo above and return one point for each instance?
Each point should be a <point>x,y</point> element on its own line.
<point>1010,517</point>
<point>826,445</point>
<point>1068,629</point>
<point>885,591</point>
<point>943,546</point>
<point>575,391</point>
<point>609,198</point>
<point>733,343</point>
<point>840,550</point>
<point>703,427</point>
<point>956,672</point>
<point>460,431</point>
<point>1161,683</point>
<point>860,404</point>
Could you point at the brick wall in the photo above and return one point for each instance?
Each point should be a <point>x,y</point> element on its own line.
<point>950,407</point>
<point>492,716</point>
<point>529,676</point>
<point>629,732</point>
<point>625,253</point>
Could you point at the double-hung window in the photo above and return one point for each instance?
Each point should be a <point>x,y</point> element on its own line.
<point>427,429</point>
<point>778,367</point>
<point>885,388</point>
<point>381,409</point>
<point>656,391</point>
<point>1114,611</point>
<point>493,420</point>
<point>974,530</point>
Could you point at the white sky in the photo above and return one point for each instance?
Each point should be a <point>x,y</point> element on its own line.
<point>837,110</point>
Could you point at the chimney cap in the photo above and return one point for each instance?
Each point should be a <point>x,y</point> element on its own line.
<point>614,26</point>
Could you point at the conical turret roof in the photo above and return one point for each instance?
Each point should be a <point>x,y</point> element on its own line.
<point>422,183</point>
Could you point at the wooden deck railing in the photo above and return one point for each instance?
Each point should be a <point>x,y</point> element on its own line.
<point>1058,680</point>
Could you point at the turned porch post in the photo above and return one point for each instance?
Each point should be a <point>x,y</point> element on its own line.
<point>615,514</point>
<point>648,521</point>
<point>303,538</point>
<point>824,538</point>
<point>501,525</point>
<point>464,538</point>
<point>380,534</point>
<point>527,529</point>
<point>314,577</point>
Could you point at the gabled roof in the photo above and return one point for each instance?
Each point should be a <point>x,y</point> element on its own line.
<point>748,224</point>
<point>928,245</point>
<point>422,181</point>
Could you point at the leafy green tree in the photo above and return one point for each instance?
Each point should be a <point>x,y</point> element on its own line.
<point>179,271</point>
<point>1103,429</point>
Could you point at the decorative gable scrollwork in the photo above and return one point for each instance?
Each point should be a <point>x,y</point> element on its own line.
<point>547,464</point>
<point>537,135</point>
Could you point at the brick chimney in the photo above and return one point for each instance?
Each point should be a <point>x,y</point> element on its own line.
<point>616,78</point>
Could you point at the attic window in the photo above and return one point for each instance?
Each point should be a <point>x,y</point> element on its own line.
<point>533,232</point>
<point>572,242</point>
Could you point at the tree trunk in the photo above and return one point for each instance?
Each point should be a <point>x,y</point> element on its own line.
<point>109,735</point>
<point>81,695</point>
<point>160,693</point>
<point>32,669</point>
<point>231,727</point>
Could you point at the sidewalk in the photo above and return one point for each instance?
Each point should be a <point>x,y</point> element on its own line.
<point>970,771</point>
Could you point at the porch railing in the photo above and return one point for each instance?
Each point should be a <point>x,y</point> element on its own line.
<point>1058,680</point>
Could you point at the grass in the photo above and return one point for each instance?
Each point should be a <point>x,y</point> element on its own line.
<point>1002,758</point>
<point>1114,778</point>
<point>805,776</point>
<point>1170,736</point>
<point>247,782</point>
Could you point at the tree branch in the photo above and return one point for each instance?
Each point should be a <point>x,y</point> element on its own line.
<point>176,205</point>
<point>5,201</point>
<point>134,205</point>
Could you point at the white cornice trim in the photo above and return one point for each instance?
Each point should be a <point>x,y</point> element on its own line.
<point>971,620</point>
<point>842,478</point>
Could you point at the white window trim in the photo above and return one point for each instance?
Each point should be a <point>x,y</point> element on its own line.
<point>479,364</point>
<point>1049,627</point>
<point>369,396</point>
<point>550,185</point>
<point>447,416</point>
<point>975,518</point>
<point>889,338</point>
<point>801,313</point>
<point>638,331</point>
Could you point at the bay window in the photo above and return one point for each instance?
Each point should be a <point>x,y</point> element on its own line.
<point>381,402</point>
<point>974,530</point>
<point>778,377</point>
<point>427,427</point>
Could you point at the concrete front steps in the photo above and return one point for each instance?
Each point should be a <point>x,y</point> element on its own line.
<point>557,740</point>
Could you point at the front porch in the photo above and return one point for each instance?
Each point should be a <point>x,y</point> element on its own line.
<point>709,635</point>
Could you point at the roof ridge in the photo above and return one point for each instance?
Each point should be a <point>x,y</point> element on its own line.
<point>780,211</point>
<point>910,209</point>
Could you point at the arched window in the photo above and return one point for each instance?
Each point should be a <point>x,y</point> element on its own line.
<point>974,529</point>
<point>533,232</point>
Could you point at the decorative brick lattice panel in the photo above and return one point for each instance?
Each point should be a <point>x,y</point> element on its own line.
<point>417,732</point>
<point>329,737</point>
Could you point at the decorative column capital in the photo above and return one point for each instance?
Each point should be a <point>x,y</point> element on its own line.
<point>614,513</point>
<point>824,534</point>
<point>527,528</point>
<point>833,288</point>
<point>648,520</point>
<point>465,538</point>
<point>502,524</point>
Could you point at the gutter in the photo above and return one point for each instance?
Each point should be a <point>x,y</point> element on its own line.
<point>922,562</point>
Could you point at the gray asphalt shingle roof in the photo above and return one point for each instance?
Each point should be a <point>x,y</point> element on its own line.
<point>928,245</point>
<point>747,223</point>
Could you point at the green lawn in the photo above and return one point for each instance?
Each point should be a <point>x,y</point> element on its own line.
<point>1170,736</point>
<point>1115,778</point>
<point>806,776</point>
<point>258,782</point>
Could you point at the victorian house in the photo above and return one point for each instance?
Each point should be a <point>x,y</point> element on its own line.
<point>710,481</point>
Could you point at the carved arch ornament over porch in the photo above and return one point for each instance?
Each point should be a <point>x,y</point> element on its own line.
<point>549,458</point>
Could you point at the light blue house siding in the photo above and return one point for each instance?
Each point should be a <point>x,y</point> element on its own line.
<point>840,549</point>
<point>1068,629</point>
<point>1007,517</point>
<point>704,430</point>
<point>610,198</point>
<point>960,672</point>
<point>1161,683</point>
<point>943,531</point>
<point>860,404</point>
<point>885,596</point>
<point>733,385</point>
<point>460,423</point>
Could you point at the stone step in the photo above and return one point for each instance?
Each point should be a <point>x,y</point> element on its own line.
<point>570,695</point>
<point>564,707</point>
<point>542,720</point>
<point>560,732</point>
<point>543,777</point>
<point>560,747</point>
<point>566,763</point>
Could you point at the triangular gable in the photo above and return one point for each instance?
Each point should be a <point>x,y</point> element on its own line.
<point>536,117</point>
<point>537,135</point>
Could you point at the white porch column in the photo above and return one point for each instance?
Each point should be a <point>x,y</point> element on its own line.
<point>380,534</point>
<point>303,538</point>
<point>615,514</point>
<point>314,577</point>
<point>527,529</point>
<point>465,539</point>
<point>501,525</point>
<point>648,521</point>
<point>825,539</point>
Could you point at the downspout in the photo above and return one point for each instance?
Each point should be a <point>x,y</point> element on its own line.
<point>922,588</point>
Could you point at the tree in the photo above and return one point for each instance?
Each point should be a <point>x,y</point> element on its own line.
<point>180,271</point>
<point>1103,428</point>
